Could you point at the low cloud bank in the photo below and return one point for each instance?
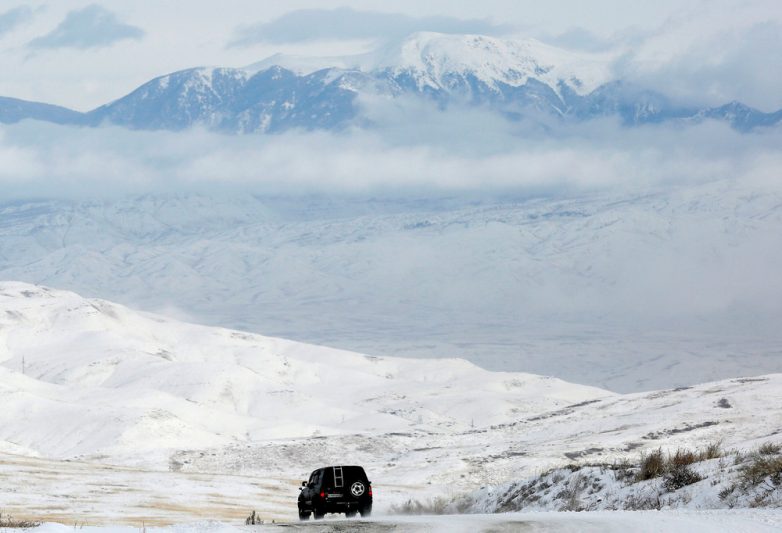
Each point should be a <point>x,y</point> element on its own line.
<point>445,152</point>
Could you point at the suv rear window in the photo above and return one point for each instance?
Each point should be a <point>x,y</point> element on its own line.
<point>354,473</point>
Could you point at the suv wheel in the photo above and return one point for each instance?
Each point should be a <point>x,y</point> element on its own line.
<point>304,515</point>
<point>366,511</point>
<point>317,514</point>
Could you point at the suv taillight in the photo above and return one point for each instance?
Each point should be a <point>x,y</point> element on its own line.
<point>322,494</point>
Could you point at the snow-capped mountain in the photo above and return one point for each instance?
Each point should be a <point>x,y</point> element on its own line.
<point>439,61</point>
<point>516,78</point>
<point>455,62</point>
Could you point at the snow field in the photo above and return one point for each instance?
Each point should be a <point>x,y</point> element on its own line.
<point>207,420</point>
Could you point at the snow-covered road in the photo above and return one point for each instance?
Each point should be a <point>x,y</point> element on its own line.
<point>738,521</point>
<point>611,521</point>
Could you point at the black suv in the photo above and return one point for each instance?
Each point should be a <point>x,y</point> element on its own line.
<point>336,489</point>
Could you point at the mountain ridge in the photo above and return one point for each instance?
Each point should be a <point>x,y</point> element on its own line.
<point>520,79</point>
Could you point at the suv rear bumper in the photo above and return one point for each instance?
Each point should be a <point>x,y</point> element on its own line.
<point>336,506</point>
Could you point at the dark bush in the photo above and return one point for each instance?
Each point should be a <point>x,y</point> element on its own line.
<point>762,467</point>
<point>680,476</point>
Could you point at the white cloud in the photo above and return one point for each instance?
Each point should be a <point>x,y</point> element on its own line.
<point>90,27</point>
<point>465,152</point>
<point>346,23</point>
<point>13,18</point>
<point>713,56</point>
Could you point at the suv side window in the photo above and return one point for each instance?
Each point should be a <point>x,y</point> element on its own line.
<point>314,478</point>
<point>327,477</point>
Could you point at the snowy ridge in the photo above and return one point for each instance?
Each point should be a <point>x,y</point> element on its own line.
<point>519,79</point>
<point>434,59</point>
<point>305,65</point>
<point>126,375</point>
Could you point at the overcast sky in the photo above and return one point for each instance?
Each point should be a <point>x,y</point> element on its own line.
<point>84,53</point>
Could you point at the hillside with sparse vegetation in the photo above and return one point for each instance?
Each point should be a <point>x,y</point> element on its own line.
<point>707,478</point>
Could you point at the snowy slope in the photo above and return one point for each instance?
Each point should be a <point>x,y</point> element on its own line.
<point>123,375</point>
<point>436,59</point>
<point>147,409</point>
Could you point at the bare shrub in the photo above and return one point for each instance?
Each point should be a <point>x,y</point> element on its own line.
<point>770,448</point>
<point>761,468</point>
<point>682,458</point>
<point>657,464</point>
<point>652,466</point>
<point>680,476</point>
<point>712,450</point>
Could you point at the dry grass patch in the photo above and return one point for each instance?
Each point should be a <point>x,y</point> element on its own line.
<point>657,464</point>
<point>711,451</point>
<point>653,465</point>
<point>682,458</point>
<point>770,448</point>
<point>8,521</point>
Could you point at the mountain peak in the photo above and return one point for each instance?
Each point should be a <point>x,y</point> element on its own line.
<point>434,57</point>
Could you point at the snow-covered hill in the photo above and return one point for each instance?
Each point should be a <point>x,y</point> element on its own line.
<point>626,292</point>
<point>146,418</point>
<point>139,385</point>
<point>516,78</point>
